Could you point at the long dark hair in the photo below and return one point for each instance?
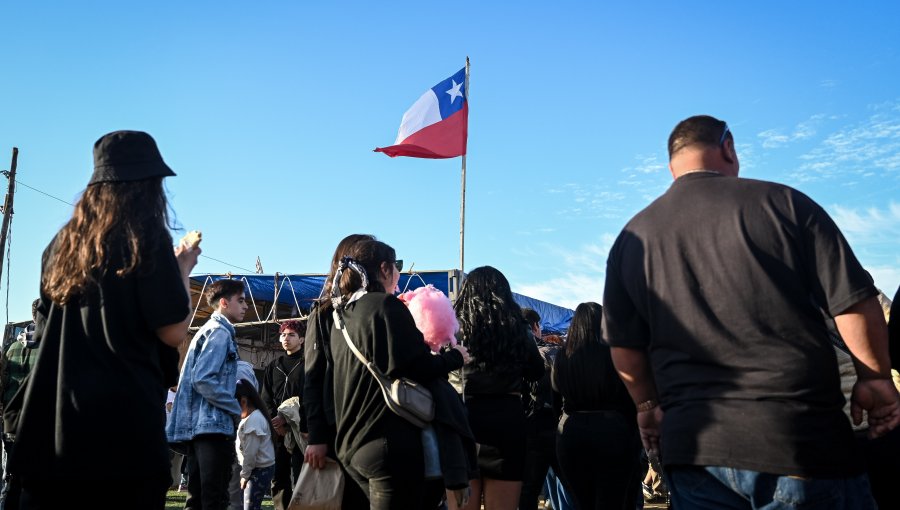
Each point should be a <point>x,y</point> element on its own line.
<point>585,327</point>
<point>246,389</point>
<point>490,320</point>
<point>587,363</point>
<point>369,255</point>
<point>130,216</point>
<point>341,251</point>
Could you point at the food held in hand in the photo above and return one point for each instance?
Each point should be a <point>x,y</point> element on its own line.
<point>192,239</point>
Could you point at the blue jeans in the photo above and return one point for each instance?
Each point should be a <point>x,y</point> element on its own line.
<point>719,488</point>
<point>258,487</point>
<point>556,493</point>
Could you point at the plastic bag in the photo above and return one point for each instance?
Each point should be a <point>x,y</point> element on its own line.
<point>318,489</point>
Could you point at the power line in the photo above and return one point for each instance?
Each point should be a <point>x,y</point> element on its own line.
<point>73,205</point>
<point>43,193</point>
<point>227,264</point>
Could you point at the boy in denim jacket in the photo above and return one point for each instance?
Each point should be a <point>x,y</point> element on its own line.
<point>205,413</point>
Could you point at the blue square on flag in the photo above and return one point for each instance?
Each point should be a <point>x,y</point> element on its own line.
<point>437,125</point>
<point>451,93</point>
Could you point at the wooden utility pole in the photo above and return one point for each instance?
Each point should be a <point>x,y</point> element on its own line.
<point>8,205</point>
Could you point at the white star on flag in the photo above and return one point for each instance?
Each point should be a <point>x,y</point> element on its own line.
<point>454,91</point>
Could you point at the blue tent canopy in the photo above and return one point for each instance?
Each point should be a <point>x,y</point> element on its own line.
<point>554,318</point>
<point>300,290</point>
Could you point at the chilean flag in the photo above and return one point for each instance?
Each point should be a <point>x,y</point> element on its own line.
<point>437,125</point>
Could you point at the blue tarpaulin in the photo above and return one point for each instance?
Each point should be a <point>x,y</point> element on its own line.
<point>300,290</point>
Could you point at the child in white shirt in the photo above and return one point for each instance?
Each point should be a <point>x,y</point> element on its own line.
<point>255,449</point>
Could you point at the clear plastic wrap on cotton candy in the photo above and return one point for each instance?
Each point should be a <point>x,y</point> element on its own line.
<point>434,315</point>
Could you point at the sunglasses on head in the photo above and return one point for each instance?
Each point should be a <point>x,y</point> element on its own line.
<point>399,265</point>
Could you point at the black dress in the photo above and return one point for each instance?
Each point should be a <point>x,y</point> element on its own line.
<point>94,404</point>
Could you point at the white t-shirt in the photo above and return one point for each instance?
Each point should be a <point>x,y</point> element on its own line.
<point>254,443</point>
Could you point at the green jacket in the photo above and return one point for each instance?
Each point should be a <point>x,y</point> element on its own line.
<point>17,363</point>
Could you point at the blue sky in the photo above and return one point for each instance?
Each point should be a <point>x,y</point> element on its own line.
<point>269,111</point>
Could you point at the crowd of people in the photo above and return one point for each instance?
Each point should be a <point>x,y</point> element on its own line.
<point>736,323</point>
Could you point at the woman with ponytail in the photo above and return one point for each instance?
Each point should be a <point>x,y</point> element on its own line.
<point>382,452</point>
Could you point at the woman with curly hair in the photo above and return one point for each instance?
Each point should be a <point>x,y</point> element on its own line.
<point>597,442</point>
<point>503,354</point>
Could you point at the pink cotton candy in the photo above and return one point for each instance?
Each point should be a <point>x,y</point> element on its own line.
<point>434,315</point>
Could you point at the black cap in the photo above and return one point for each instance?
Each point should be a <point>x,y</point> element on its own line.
<point>127,156</point>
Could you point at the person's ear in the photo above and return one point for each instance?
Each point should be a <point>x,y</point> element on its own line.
<point>728,152</point>
<point>223,303</point>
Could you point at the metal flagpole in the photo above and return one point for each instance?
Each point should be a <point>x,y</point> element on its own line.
<point>462,202</point>
<point>462,230</point>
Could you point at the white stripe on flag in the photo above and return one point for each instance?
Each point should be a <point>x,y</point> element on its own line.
<point>423,113</point>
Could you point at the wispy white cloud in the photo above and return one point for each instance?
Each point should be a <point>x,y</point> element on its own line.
<point>597,200</point>
<point>581,278</point>
<point>775,138</point>
<point>647,164</point>
<point>645,180</point>
<point>869,148</point>
<point>536,231</point>
<point>828,84</point>
<point>869,225</point>
<point>772,138</point>
<point>873,234</point>
<point>568,290</point>
<point>747,155</point>
<point>887,278</point>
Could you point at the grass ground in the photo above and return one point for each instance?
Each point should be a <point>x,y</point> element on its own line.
<point>175,501</point>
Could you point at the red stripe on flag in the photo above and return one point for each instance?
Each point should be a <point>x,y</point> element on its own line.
<point>444,139</point>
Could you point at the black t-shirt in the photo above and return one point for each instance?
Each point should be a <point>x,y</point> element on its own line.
<point>587,381</point>
<point>94,406</point>
<point>384,331</point>
<point>724,279</point>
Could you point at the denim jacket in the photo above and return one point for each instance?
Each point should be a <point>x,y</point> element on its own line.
<point>205,402</point>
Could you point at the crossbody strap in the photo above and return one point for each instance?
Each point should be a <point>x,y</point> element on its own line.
<point>339,322</point>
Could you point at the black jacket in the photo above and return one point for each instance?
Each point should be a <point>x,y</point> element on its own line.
<point>282,380</point>
<point>318,391</point>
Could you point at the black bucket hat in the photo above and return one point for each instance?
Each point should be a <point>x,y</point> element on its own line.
<point>127,156</point>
